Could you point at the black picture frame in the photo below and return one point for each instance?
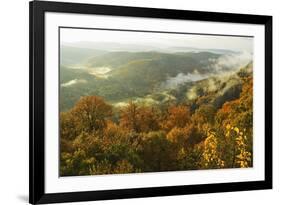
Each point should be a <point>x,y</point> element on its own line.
<point>37,9</point>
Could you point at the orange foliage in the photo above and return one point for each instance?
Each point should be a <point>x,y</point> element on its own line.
<point>177,116</point>
<point>90,113</point>
<point>139,119</point>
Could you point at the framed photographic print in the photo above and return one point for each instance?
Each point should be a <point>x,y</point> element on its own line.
<point>140,102</point>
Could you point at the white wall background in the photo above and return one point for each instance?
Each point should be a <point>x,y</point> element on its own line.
<point>14,100</point>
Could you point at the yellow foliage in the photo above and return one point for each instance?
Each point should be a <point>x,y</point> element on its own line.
<point>211,158</point>
<point>178,135</point>
<point>243,158</point>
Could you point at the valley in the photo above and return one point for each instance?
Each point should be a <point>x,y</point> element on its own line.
<point>147,77</point>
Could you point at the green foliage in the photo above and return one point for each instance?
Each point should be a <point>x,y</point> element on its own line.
<point>133,74</point>
<point>157,152</point>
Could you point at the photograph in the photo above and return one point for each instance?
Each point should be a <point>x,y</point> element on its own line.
<point>133,101</point>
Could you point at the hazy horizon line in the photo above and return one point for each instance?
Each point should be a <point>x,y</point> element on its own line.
<point>146,47</point>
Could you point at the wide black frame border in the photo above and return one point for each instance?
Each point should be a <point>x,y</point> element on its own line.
<point>37,11</point>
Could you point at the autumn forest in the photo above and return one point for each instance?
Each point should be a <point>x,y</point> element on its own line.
<point>128,111</point>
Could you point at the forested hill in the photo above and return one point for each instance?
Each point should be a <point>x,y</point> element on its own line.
<point>149,77</point>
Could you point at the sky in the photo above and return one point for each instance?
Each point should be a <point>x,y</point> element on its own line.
<point>161,40</point>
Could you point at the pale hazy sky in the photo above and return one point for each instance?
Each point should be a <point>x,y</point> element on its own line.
<point>158,39</point>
